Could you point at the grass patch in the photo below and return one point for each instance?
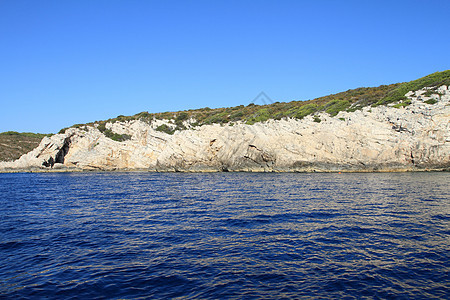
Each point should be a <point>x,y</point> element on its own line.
<point>430,101</point>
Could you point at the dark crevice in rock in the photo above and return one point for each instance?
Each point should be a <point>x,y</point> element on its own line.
<point>412,158</point>
<point>248,157</point>
<point>49,163</point>
<point>400,128</point>
<point>59,157</point>
<point>46,145</point>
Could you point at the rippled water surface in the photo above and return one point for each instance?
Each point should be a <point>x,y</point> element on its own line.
<point>224,235</point>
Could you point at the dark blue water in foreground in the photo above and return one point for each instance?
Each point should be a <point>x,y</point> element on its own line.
<point>226,235</point>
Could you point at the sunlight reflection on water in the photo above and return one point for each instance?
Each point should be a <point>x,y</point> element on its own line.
<point>227,235</point>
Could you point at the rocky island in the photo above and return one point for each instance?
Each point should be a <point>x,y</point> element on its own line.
<point>398,127</point>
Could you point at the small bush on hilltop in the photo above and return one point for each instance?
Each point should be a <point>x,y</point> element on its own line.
<point>102,127</point>
<point>182,116</point>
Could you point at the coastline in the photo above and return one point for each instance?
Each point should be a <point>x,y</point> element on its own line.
<point>310,170</point>
<point>414,138</point>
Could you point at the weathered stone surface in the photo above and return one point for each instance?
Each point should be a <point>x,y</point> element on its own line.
<point>382,138</point>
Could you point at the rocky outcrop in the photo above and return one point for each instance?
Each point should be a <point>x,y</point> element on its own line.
<point>382,138</point>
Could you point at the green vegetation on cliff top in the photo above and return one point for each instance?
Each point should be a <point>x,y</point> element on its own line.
<point>350,100</point>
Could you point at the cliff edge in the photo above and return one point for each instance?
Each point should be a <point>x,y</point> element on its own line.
<point>382,138</point>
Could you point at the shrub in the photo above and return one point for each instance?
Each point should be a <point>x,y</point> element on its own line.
<point>317,119</point>
<point>306,110</point>
<point>102,127</point>
<point>260,116</point>
<point>79,126</point>
<point>166,129</point>
<point>278,116</point>
<point>237,115</point>
<point>402,104</point>
<point>144,114</point>
<point>217,118</point>
<point>165,115</point>
<point>237,107</point>
<point>115,136</point>
<point>431,101</point>
<point>182,116</point>
<point>179,126</point>
<point>335,106</point>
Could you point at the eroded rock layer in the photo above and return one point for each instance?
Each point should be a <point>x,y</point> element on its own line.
<point>382,138</point>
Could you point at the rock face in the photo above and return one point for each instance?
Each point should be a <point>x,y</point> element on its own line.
<point>383,138</point>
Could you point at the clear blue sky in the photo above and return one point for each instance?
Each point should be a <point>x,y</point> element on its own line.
<point>67,62</point>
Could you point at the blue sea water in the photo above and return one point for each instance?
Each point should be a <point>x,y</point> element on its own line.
<point>224,235</point>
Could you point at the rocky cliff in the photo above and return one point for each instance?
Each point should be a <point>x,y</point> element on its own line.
<point>381,138</point>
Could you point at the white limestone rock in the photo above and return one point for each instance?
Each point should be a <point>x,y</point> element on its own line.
<point>380,138</point>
